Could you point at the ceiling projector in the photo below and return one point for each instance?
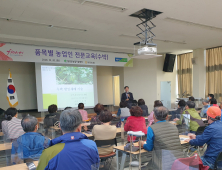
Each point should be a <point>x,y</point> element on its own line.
<point>147,50</point>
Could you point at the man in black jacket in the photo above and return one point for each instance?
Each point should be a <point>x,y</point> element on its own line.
<point>127,96</point>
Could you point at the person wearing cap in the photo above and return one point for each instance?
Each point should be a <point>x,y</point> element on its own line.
<point>212,136</point>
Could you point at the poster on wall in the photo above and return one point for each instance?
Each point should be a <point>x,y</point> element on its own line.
<point>41,54</point>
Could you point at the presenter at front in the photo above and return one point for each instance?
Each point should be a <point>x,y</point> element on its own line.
<point>127,96</point>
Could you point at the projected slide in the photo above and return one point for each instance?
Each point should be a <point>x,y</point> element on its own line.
<point>67,86</point>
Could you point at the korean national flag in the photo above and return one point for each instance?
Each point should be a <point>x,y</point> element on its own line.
<point>11,92</point>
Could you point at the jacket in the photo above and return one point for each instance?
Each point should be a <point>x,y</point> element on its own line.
<point>123,98</point>
<point>195,120</point>
<point>123,112</point>
<point>145,110</point>
<point>69,151</point>
<point>29,145</point>
<point>135,124</point>
<point>51,119</point>
<point>212,136</point>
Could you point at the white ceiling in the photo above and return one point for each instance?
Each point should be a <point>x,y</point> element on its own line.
<point>104,26</point>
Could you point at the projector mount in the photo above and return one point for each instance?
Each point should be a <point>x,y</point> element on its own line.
<point>146,25</point>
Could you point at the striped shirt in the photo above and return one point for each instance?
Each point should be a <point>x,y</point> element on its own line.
<point>12,129</point>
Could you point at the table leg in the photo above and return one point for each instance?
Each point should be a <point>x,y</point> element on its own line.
<point>123,160</point>
<point>117,159</point>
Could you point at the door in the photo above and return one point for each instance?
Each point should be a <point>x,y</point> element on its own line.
<point>165,93</point>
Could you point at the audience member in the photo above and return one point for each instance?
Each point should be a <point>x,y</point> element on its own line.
<point>31,144</point>
<point>2,117</point>
<point>162,136</point>
<point>210,96</point>
<point>179,111</point>
<point>191,98</point>
<point>141,104</point>
<point>68,108</point>
<point>221,109</point>
<point>72,150</point>
<point>135,122</point>
<point>83,112</point>
<point>203,111</point>
<point>212,136</point>
<point>213,102</point>
<point>11,127</point>
<point>157,103</point>
<point>52,117</point>
<point>123,110</point>
<point>195,120</point>
<point>104,132</point>
<point>95,120</point>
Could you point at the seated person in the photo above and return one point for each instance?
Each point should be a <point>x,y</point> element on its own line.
<point>52,117</point>
<point>31,144</point>
<point>191,99</point>
<point>213,102</point>
<point>203,111</point>
<point>157,103</point>
<point>179,111</point>
<point>141,104</point>
<point>83,112</point>
<point>95,120</point>
<point>210,96</point>
<point>212,136</point>
<point>123,110</point>
<point>72,150</point>
<point>2,117</point>
<point>11,127</point>
<point>156,139</point>
<point>221,109</point>
<point>195,120</point>
<point>135,122</point>
<point>104,132</point>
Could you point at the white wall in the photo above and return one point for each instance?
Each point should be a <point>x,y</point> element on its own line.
<point>142,80</point>
<point>23,75</point>
<point>166,76</point>
<point>105,85</point>
<point>145,77</point>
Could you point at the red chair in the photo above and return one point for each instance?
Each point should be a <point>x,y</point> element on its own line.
<point>189,163</point>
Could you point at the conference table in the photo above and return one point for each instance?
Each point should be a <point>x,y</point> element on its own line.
<point>22,166</point>
<point>124,153</point>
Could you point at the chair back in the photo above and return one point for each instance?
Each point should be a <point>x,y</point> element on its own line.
<point>219,159</point>
<point>200,130</point>
<point>100,143</point>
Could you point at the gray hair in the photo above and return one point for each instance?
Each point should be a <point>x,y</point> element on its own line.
<point>29,123</point>
<point>70,120</point>
<point>205,101</point>
<point>161,113</point>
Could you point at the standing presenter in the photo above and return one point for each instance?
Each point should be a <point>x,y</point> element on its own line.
<point>127,96</point>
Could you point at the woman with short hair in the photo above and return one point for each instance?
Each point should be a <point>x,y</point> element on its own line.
<point>83,112</point>
<point>143,106</point>
<point>104,131</point>
<point>123,110</point>
<point>135,122</point>
<point>11,127</point>
<point>157,103</point>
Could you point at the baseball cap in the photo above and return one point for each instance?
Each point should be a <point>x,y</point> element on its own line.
<point>213,111</point>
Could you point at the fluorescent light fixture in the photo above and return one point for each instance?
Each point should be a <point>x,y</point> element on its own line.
<point>41,24</point>
<point>101,5</point>
<point>193,24</point>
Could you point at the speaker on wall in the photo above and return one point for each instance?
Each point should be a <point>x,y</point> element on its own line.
<point>169,62</point>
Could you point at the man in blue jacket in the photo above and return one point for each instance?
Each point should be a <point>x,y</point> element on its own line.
<point>72,150</point>
<point>31,144</point>
<point>212,136</point>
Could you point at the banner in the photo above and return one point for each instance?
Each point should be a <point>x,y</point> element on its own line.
<point>28,53</point>
<point>11,92</point>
